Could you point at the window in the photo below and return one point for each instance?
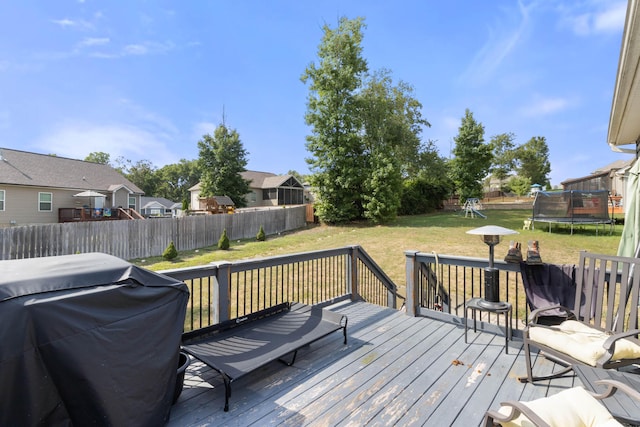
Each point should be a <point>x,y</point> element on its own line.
<point>1,200</point>
<point>132,202</point>
<point>45,202</point>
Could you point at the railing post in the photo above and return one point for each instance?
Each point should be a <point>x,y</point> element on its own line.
<point>220,301</point>
<point>352,274</point>
<point>413,293</point>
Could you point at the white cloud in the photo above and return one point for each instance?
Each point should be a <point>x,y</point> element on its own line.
<point>503,39</point>
<point>77,140</point>
<point>94,41</point>
<point>612,19</point>
<point>545,106</point>
<point>70,23</point>
<point>136,49</point>
<point>594,17</point>
<point>203,128</point>
<point>122,128</point>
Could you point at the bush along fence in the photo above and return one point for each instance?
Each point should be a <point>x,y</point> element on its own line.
<point>143,238</point>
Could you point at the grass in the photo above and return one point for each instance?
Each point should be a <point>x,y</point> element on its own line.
<point>443,233</point>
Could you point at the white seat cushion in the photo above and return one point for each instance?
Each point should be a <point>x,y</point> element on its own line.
<point>581,341</point>
<point>573,407</point>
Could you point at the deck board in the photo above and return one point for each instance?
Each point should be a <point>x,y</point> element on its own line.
<point>395,369</point>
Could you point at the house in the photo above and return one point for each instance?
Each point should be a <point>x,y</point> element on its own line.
<point>624,121</point>
<point>157,207</point>
<point>610,177</point>
<point>268,189</point>
<point>40,188</point>
<point>265,189</point>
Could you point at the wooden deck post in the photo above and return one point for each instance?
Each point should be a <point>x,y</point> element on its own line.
<point>352,274</point>
<point>413,293</point>
<point>221,292</point>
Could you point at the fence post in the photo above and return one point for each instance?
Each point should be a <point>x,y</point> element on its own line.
<point>352,274</point>
<point>221,302</point>
<point>413,293</point>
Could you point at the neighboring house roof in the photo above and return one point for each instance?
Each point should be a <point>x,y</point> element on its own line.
<point>260,180</point>
<point>611,167</point>
<point>42,170</point>
<point>266,179</point>
<point>605,170</point>
<point>150,202</point>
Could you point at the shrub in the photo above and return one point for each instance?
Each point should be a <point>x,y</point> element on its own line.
<point>223,243</point>
<point>260,236</point>
<point>170,252</point>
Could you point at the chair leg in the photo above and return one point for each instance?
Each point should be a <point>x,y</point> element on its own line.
<point>527,360</point>
<point>530,378</point>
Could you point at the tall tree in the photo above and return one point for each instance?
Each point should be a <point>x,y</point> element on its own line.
<point>99,157</point>
<point>472,158</point>
<point>391,126</point>
<point>143,174</point>
<point>503,149</point>
<point>335,145</point>
<point>176,179</point>
<point>222,158</point>
<point>533,161</point>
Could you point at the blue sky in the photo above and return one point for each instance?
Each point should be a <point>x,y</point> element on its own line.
<point>146,79</point>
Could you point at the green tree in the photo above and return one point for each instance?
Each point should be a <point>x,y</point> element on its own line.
<point>520,185</point>
<point>223,241</point>
<point>472,158</point>
<point>260,237</point>
<point>143,174</point>
<point>428,183</point>
<point>221,159</point>
<point>170,252</point>
<point>503,150</point>
<point>176,179</point>
<point>336,161</point>
<point>392,122</point>
<point>533,161</point>
<point>99,157</point>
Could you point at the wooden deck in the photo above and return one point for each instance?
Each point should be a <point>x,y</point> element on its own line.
<point>395,370</point>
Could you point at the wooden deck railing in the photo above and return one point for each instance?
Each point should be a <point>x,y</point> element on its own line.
<point>229,290</point>
<point>438,284</point>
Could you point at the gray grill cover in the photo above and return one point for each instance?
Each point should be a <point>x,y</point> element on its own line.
<point>87,339</point>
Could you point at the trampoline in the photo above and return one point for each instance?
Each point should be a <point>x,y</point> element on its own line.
<point>572,207</point>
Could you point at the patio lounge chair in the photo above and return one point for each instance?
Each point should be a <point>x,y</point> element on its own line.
<point>600,329</point>
<point>574,407</point>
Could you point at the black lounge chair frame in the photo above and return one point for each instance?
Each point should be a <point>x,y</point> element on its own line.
<point>238,347</point>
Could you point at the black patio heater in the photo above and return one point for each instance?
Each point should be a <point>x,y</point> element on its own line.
<point>491,235</point>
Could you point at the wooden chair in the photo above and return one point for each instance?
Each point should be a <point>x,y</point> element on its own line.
<point>601,329</point>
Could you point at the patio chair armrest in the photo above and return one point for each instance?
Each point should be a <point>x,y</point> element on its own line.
<point>533,316</point>
<point>610,344</point>
<point>613,386</point>
<point>517,408</point>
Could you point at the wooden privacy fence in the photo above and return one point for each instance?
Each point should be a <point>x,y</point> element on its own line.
<point>143,238</point>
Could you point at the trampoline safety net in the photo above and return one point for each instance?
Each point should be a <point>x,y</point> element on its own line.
<point>572,206</point>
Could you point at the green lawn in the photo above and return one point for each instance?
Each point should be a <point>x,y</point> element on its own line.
<point>443,233</point>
